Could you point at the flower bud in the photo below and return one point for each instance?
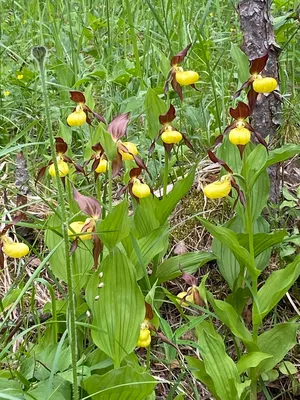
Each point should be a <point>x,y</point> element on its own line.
<point>131,147</point>
<point>102,166</point>
<point>15,250</point>
<point>218,189</point>
<point>264,85</point>
<point>39,53</point>
<point>140,190</point>
<point>240,136</point>
<point>185,78</point>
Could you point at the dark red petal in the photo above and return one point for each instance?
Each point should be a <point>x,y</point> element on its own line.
<point>151,148</point>
<point>76,96</point>
<point>95,164</point>
<point>141,164</point>
<point>179,57</point>
<point>117,127</point>
<point>168,117</point>
<point>187,142</point>
<point>117,165</point>
<point>229,128</point>
<point>60,145</point>
<point>88,205</point>
<point>244,86</point>
<point>40,174</point>
<point>252,96</point>
<point>1,257</point>
<point>194,87</point>
<point>177,88</point>
<point>240,112</point>
<point>257,65</point>
<point>99,117</point>
<point>260,138</point>
<point>215,159</point>
<point>74,246</point>
<point>67,159</point>
<point>166,86</point>
<point>96,249</point>
<point>219,139</point>
<point>135,172</point>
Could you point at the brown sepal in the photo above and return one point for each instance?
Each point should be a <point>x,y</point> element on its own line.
<point>240,193</point>
<point>14,221</point>
<point>240,112</point>
<point>252,96</point>
<point>88,205</point>
<point>241,150</point>
<point>98,148</point>
<point>175,85</point>
<point>257,65</point>
<point>96,249</point>
<point>117,127</point>
<point>197,298</point>
<point>135,172</point>
<point>117,165</point>
<point>78,168</point>
<point>215,159</point>
<point>123,190</point>
<point>1,257</point>
<point>74,246</point>
<point>168,148</point>
<point>258,136</point>
<point>60,145</point>
<point>88,119</point>
<point>76,96</point>
<point>151,148</point>
<point>187,142</point>
<point>194,87</point>
<point>179,57</point>
<point>168,117</point>
<point>166,86</point>
<point>149,311</point>
<point>95,164</point>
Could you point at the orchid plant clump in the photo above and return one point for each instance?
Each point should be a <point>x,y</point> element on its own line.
<point>110,249</point>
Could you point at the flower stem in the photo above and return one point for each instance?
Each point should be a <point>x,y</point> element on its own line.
<point>110,186</point>
<point>166,172</point>
<point>64,224</point>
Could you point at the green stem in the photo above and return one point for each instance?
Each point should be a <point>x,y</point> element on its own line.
<point>166,172</point>
<point>110,186</point>
<point>64,224</point>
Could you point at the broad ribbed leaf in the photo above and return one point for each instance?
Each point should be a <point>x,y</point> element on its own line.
<point>197,368</point>
<point>218,365</point>
<point>241,62</point>
<point>154,106</point>
<point>263,241</point>
<point>180,189</point>
<point>189,262</point>
<point>276,342</point>
<point>144,217</point>
<point>148,247</point>
<point>282,153</point>
<point>275,288</point>
<point>230,239</point>
<point>82,259</point>
<point>227,314</point>
<point>255,161</point>
<point>120,384</point>
<point>251,360</point>
<point>115,226</point>
<point>107,142</point>
<point>119,309</point>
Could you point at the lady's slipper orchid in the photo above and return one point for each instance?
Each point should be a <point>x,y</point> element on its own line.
<point>132,151</point>
<point>145,335</point>
<point>91,207</point>
<point>168,133</point>
<point>257,82</point>
<point>62,162</point>
<point>80,114</point>
<point>136,187</point>
<point>178,77</point>
<point>75,230</point>
<point>240,130</point>
<point>8,246</point>
<point>192,294</point>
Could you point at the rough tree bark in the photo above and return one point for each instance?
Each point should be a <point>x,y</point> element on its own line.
<point>258,34</point>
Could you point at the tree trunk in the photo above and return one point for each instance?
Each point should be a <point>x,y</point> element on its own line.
<point>258,34</point>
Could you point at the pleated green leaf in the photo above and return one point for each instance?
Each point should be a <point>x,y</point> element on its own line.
<point>275,288</point>
<point>251,360</point>
<point>189,262</point>
<point>120,384</point>
<point>82,260</point>
<point>117,308</point>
